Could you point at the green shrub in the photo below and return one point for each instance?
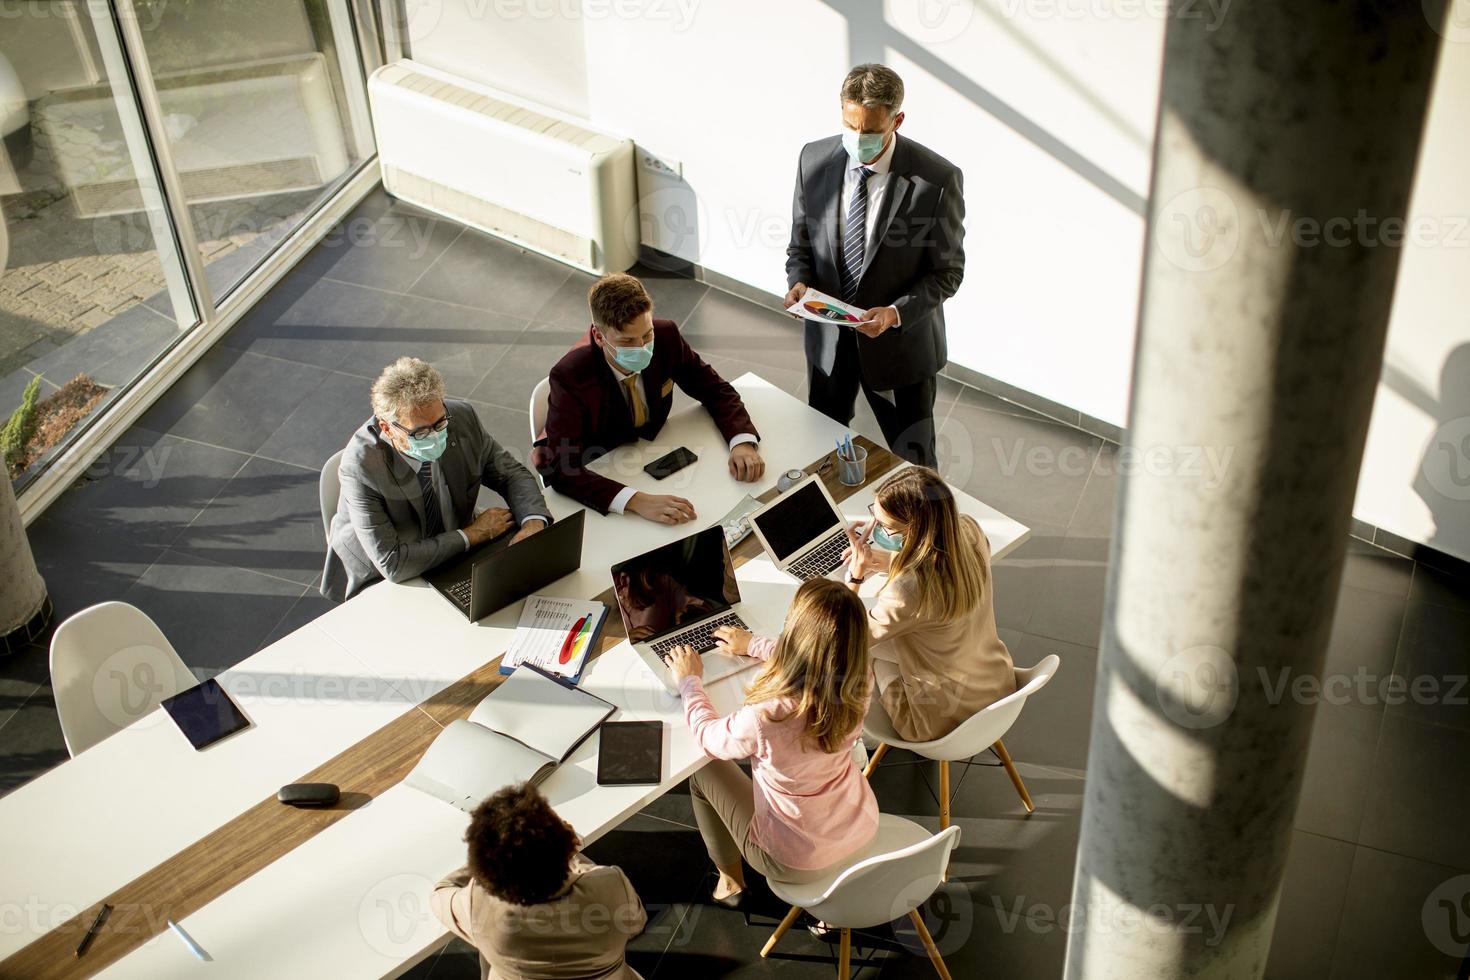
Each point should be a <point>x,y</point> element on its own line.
<point>17,431</point>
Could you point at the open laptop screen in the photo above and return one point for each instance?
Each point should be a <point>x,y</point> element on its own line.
<point>675,585</point>
<point>803,517</point>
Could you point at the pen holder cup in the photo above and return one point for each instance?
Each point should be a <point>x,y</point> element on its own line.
<point>852,472</point>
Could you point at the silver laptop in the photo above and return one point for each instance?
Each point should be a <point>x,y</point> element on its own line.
<point>803,531</point>
<point>681,593</point>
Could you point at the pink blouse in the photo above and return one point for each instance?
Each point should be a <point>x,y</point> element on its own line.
<point>812,808</point>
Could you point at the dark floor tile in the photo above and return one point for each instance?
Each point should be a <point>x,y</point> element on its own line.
<point>147,487</point>
<point>1070,607</point>
<point>267,519</point>
<point>1376,570</point>
<point>726,326</point>
<point>233,399</point>
<point>510,427</point>
<point>388,251</point>
<point>666,863</point>
<point>531,356</point>
<point>1095,508</point>
<point>424,969</point>
<point>311,321</point>
<point>1315,885</point>
<point>1397,920</point>
<point>18,681</point>
<point>1434,666</point>
<point>675,295</point>
<point>1054,727</point>
<point>1421,789</point>
<point>986,936</point>
<point>323,423</point>
<point>1021,575</point>
<point>213,614</point>
<point>492,274</point>
<point>31,741</point>
<point>1439,588</point>
<point>793,382</point>
<point>566,306</point>
<point>307,608</point>
<point>1365,637</point>
<point>673,807</point>
<point>1339,776</point>
<point>463,343</point>
<point>87,564</point>
<point>1029,470</point>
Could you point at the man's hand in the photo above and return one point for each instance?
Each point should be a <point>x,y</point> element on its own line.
<point>491,524</point>
<point>684,662</point>
<point>746,464</point>
<point>877,320</point>
<point>793,294</point>
<point>731,639</point>
<point>661,508</point>
<point>529,528</point>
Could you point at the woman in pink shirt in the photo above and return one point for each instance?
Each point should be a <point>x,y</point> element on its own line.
<point>805,805</point>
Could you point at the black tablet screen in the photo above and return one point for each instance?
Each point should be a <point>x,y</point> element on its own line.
<point>630,752</point>
<point>205,714</point>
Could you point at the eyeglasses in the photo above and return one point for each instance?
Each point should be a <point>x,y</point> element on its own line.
<point>423,430</point>
<point>874,515</point>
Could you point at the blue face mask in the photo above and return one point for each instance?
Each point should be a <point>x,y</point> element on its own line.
<point>886,541</point>
<point>428,448</point>
<point>633,359</point>
<point>862,147</point>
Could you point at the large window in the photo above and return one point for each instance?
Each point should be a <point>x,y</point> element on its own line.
<point>154,153</point>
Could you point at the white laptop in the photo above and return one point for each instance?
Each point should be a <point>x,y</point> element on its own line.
<point>681,593</point>
<point>803,531</point>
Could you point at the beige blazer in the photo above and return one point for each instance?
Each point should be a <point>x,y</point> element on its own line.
<point>947,671</point>
<point>579,935</point>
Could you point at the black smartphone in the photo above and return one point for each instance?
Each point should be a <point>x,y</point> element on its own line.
<point>630,753</point>
<point>670,463</point>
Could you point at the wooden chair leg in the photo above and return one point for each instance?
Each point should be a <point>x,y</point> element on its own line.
<point>844,956</point>
<point>944,805</point>
<point>1005,760</point>
<point>873,759</point>
<point>786,924</point>
<point>933,950</point>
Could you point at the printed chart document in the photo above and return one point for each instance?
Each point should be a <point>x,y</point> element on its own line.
<point>520,732</point>
<point>817,305</point>
<point>556,635</point>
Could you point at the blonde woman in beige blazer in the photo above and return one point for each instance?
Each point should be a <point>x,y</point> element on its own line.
<point>535,907</point>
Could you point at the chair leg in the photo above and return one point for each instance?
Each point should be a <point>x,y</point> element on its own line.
<point>844,956</point>
<point>1005,760</point>
<point>933,950</point>
<point>786,924</point>
<point>878,754</point>
<point>944,805</point>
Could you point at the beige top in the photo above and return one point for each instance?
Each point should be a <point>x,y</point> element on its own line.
<point>947,671</point>
<point>579,935</point>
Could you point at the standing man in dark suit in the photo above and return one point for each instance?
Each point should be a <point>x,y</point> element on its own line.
<point>878,222</point>
<point>618,387</point>
<point>410,478</point>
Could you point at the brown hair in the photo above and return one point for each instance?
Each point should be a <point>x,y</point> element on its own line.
<point>520,850</point>
<point>821,662</point>
<point>949,574</point>
<point>617,300</point>
<point>872,86</point>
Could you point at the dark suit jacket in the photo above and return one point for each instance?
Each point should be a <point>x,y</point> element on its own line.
<point>916,263</point>
<point>378,530</point>
<point>588,414</point>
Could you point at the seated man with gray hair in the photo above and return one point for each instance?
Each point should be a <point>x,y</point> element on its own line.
<point>410,477</point>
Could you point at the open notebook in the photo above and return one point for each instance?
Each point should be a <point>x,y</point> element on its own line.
<point>520,732</point>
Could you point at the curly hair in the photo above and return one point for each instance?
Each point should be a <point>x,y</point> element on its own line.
<point>520,850</point>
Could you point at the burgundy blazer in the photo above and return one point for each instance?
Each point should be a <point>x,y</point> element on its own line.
<point>588,415</point>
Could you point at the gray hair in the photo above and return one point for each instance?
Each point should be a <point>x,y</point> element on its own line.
<point>874,86</point>
<point>405,384</point>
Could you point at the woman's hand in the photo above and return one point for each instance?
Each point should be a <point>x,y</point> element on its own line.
<point>733,640</point>
<point>684,662</point>
<point>859,554</point>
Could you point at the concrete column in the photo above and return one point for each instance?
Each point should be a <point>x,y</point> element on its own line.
<point>1287,140</point>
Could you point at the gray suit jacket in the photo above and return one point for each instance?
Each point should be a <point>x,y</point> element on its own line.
<point>378,530</point>
<point>915,263</point>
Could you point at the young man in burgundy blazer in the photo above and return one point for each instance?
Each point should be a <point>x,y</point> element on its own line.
<point>618,387</point>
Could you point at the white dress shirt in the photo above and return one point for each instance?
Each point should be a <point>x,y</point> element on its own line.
<point>878,183</point>
<point>620,502</point>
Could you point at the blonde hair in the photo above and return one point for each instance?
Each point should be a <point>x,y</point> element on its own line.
<point>404,385</point>
<point>821,663</point>
<point>948,573</point>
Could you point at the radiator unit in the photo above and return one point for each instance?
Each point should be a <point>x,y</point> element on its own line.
<point>526,173</point>
<point>236,131</point>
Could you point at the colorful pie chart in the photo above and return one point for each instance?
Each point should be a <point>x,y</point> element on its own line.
<point>828,312</point>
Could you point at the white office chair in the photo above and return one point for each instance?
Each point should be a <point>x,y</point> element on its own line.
<point>982,731</point>
<point>540,405</point>
<point>888,879</point>
<point>329,490</point>
<point>110,666</point>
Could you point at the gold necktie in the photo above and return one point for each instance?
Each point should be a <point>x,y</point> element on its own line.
<point>635,401</point>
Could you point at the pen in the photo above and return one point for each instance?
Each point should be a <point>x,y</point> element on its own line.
<point>92,929</point>
<point>566,645</point>
<point>188,940</point>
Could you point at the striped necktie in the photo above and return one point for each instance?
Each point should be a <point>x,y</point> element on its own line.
<point>433,520</point>
<point>855,234</point>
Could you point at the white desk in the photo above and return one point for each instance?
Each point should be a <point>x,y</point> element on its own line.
<point>354,897</point>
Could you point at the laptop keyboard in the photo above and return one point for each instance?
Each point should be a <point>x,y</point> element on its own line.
<point>461,592</point>
<point>821,559</point>
<point>701,638</point>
